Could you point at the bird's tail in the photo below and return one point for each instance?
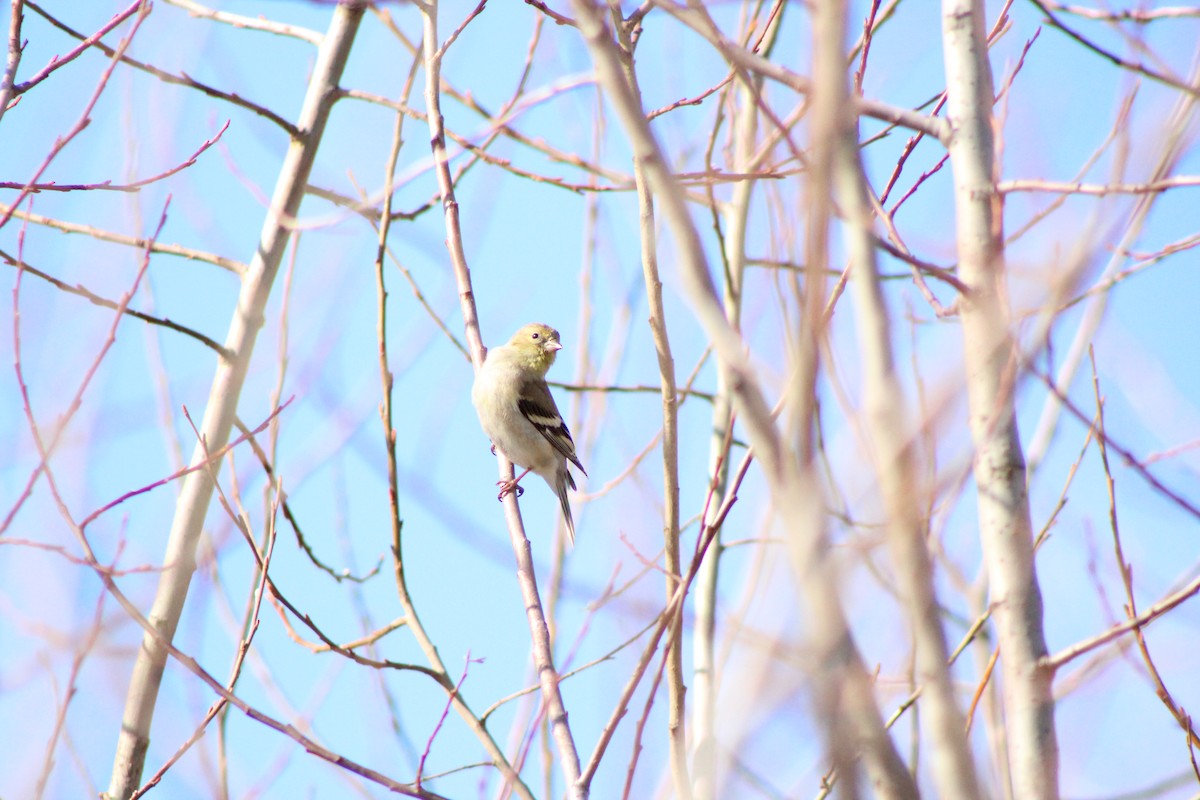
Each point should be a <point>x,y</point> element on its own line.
<point>565,479</point>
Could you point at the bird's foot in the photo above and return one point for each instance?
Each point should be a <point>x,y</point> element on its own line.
<point>507,487</point>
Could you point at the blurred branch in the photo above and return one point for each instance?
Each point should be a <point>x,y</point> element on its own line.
<point>1098,189</point>
<point>694,17</point>
<point>683,391</point>
<point>1123,63</point>
<point>850,719</point>
<point>1175,143</point>
<point>891,438</point>
<point>736,214</point>
<point>1137,15</point>
<point>793,488</point>
<point>1128,456</point>
<point>703,542</point>
<point>1116,133</point>
<point>647,234</point>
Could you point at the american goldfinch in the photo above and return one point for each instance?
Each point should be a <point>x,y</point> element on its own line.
<point>517,412</point>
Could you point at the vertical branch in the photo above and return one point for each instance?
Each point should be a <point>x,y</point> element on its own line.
<point>744,130</point>
<point>411,617</point>
<point>437,141</point>
<point>543,656</point>
<point>891,437</point>
<point>845,694</point>
<point>14,55</point>
<point>197,488</point>
<point>670,450</point>
<point>678,752</point>
<point>999,466</point>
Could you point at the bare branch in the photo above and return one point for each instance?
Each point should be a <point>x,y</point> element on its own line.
<point>179,80</point>
<point>999,468</point>
<point>197,489</point>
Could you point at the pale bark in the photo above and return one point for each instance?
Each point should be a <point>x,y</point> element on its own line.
<point>197,487</point>
<point>14,54</point>
<point>999,468</point>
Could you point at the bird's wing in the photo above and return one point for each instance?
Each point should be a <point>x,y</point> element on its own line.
<point>536,404</point>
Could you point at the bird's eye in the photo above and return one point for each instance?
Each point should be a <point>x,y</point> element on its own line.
<point>536,335</point>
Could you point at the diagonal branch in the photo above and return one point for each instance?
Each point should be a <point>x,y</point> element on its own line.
<point>196,490</point>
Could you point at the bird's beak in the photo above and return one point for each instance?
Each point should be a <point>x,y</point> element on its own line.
<point>553,346</point>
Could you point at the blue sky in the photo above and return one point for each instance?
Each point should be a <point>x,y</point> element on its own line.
<point>529,247</point>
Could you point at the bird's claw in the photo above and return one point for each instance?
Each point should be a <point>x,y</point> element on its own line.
<point>507,487</point>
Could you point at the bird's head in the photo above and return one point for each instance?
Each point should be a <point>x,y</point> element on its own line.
<point>537,344</point>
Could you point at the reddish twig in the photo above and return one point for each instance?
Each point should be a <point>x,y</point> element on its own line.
<point>867,37</point>
<point>445,710</point>
<point>84,118</point>
<point>1131,460</point>
<point>121,187</point>
<point>558,18</point>
<point>640,728</point>
<point>82,562</point>
<point>57,61</point>
<point>180,473</point>
<point>665,617</point>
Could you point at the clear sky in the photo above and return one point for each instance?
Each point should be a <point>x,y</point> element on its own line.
<point>541,252</point>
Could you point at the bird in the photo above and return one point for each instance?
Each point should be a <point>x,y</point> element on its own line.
<point>518,413</point>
